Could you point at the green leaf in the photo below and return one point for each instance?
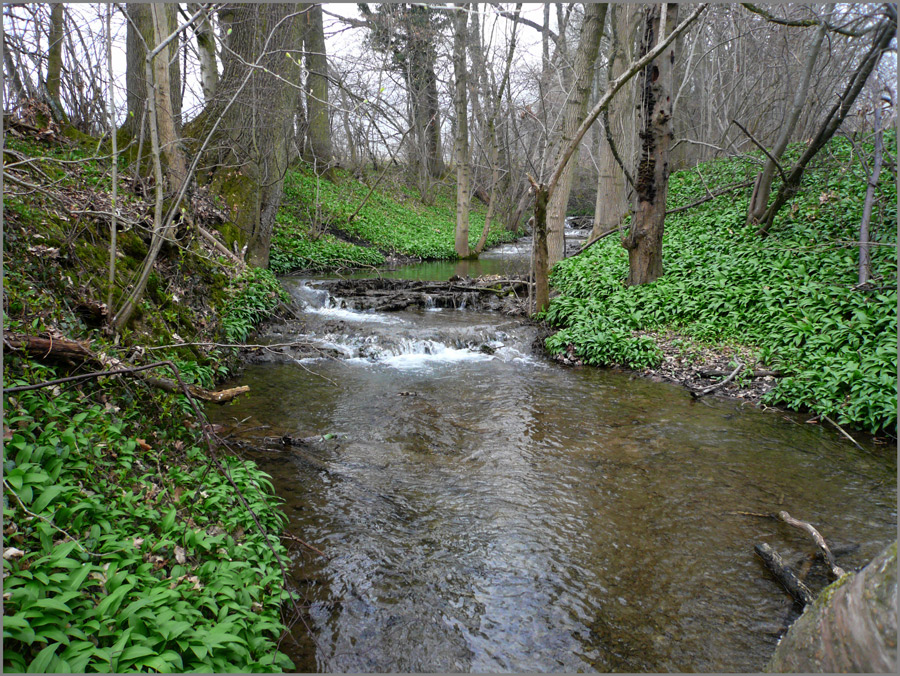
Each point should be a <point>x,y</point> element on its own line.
<point>168,521</point>
<point>43,659</point>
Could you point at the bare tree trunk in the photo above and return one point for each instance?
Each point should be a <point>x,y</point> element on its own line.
<point>576,109</point>
<point>139,38</point>
<point>611,204</point>
<point>763,187</point>
<point>54,60</point>
<point>319,126</point>
<point>644,240</point>
<point>115,164</point>
<point>206,48</point>
<point>865,259</point>
<point>163,91</point>
<point>540,264</point>
<point>463,166</point>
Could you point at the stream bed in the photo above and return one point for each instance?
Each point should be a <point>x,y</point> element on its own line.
<point>482,508</point>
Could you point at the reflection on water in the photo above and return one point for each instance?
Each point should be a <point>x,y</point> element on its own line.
<point>492,514</point>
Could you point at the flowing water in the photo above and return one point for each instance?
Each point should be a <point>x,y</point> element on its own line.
<point>484,509</point>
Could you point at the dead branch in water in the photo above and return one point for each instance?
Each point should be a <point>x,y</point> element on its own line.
<point>836,570</point>
<point>783,573</point>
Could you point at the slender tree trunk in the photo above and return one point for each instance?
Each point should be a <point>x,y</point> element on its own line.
<point>612,202</point>
<point>206,48</point>
<point>163,91</point>
<point>540,264</point>
<point>644,240</point>
<point>575,112</point>
<point>54,60</point>
<point>883,34</point>
<point>111,112</point>
<point>319,126</point>
<point>865,259</point>
<point>461,150</point>
<point>763,187</point>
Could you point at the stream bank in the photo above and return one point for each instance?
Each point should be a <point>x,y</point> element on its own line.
<point>467,504</point>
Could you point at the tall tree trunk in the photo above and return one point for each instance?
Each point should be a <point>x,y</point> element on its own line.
<point>644,240</point>
<point>865,259</point>
<point>206,48</point>
<point>163,92</point>
<point>576,109</point>
<point>539,261</point>
<point>463,165</point>
<point>251,122</point>
<point>138,39</point>
<point>319,126</point>
<point>612,202</point>
<point>763,187</point>
<point>54,60</point>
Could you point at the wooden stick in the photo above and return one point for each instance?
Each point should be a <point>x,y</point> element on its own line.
<point>713,388</point>
<point>782,572</point>
<point>709,373</point>
<point>841,430</point>
<point>836,570</point>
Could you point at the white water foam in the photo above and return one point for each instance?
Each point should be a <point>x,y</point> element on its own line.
<point>354,315</point>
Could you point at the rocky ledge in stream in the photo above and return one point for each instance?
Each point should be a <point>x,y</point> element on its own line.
<point>508,295</point>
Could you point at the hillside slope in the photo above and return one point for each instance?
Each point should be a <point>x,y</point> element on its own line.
<point>791,297</point>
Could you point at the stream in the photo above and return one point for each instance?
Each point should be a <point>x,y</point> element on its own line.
<point>482,508</point>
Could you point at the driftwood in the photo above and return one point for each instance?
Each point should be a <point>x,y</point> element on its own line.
<point>66,350</point>
<point>712,388</point>
<point>782,572</point>
<point>714,373</point>
<point>836,570</point>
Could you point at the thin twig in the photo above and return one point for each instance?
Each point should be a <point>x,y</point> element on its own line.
<point>763,148</point>
<point>841,430</point>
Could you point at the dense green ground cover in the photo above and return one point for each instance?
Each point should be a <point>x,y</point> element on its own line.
<point>789,295</point>
<point>393,221</point>
<point>124,549</point>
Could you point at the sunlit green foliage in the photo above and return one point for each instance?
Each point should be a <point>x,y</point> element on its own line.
<point>256,293</point>
<point>790,295</point>
<point>393,220</point>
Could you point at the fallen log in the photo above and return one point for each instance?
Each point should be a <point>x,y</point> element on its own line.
<point>48,348</point>
<point>782,572</point>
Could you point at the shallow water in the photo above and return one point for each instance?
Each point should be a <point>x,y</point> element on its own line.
<point>485,509</point>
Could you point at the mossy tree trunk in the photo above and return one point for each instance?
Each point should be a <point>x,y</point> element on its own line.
<point>248,125</point>
<point>54,61</point>
<point>644,240</point>
<point>851,626</point>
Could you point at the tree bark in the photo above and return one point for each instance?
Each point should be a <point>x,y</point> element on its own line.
<point>318,122</point>
<point>865,258</point>
<point>54,60</point>
<point>251,121</point>
<point>138,39</point>
<point>851,626</point>
<point>463,165</point>
<point>644,240</point>
<point>540,265</point>
<point>575,112</point>
<point>206,48</point>
<point>611,204</point>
